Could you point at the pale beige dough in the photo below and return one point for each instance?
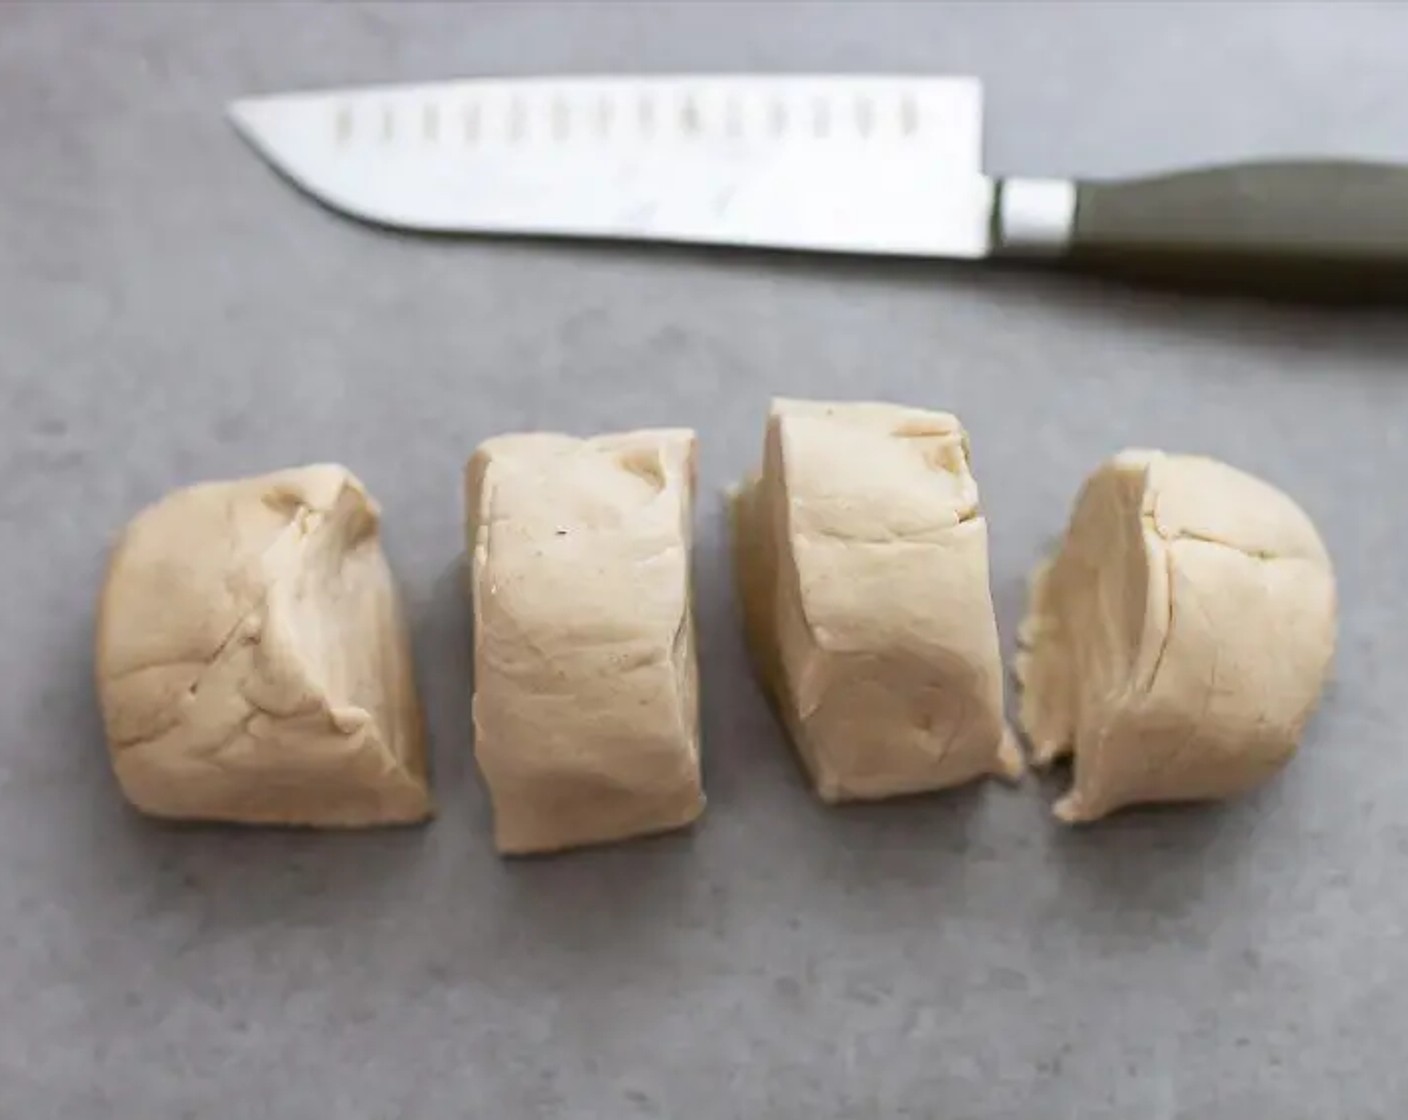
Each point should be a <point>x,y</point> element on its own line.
<point>252,661</point>
<point>585,681</point>
<point>861,553</point>
<point>1179,638</point>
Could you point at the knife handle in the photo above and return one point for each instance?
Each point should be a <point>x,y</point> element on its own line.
<point>1326,227</point>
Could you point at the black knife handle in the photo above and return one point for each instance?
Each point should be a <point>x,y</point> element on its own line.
<point>1330,227</point>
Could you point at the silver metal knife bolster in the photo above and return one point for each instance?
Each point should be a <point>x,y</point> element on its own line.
<point>1033,217</point>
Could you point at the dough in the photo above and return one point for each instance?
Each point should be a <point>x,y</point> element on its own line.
<point>863,568</point>
<point>1179,639</point>
<point>252,662</point>
<point>586,694</point>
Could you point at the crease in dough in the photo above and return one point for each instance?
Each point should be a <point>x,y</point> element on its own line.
<point>861,555</point>
<point>252,659</point>
<point>1179,639</point>
<point>586,692</point>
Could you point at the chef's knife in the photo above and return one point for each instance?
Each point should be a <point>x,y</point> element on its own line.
<point>871,165</point>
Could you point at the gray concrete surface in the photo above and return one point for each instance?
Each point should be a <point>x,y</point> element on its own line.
<point>170,311</point>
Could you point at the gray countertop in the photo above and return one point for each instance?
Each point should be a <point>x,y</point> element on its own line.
<point>171,311</point>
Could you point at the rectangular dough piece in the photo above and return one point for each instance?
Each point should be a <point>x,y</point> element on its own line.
<point>586,691</point>
<point>862,562</point>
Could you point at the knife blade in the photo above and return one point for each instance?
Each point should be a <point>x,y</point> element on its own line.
<point>866,165</point>
<point>850,164</point>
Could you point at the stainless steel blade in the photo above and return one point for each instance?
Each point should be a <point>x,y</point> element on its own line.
<point>842,164</point>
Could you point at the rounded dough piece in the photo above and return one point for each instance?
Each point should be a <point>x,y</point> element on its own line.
<point>1179,639</point>
<point>253,663</point>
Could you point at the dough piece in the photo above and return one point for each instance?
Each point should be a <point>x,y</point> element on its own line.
<point>586,694</point>
<point>1180,637</point>
<point>252,661</point>
<point>863,568</point>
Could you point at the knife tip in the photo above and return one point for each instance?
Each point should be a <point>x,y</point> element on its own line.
<point>239,114</point>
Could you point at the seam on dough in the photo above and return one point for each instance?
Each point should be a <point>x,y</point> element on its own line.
<point>1181,749</point>
<point>295,525</point>
<point>146,667</point>
<point>793,571</point>
<point>682,658</point>
<point>1207,538</point>
<point>1168,622</point>
<point>1151,518</point>
<point>1169,539</point>
<point>909,538</point>
<point>196,684</point>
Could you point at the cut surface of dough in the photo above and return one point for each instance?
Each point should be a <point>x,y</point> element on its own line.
<point>1179,638</point>
<point>252,661</point>
<point>861,555</point>
<point>586,692</point>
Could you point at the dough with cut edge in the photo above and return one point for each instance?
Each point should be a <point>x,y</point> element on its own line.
<point>1179,639</point>
<point>861,553</point>
<point>252,661</point>
<point>585,689</point>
